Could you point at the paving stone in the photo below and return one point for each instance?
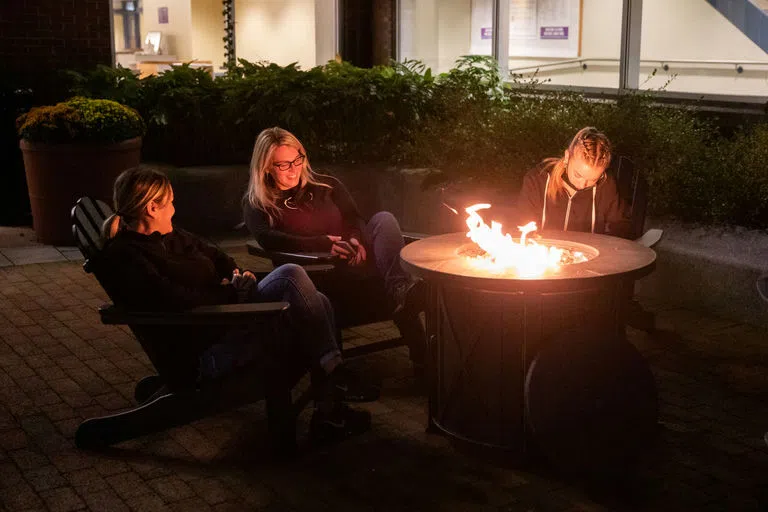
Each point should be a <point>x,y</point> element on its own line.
<point>30,255</point>
<point>19,497</point>
<point>13,439</point>
<point>171,488</point>
<point>86,481</point>
<point>211,490</point>
<point>147,503</point>
<point>27,459</point>
<point>128,485</point>
<point>105,500</point>
<point>45,478</point>
<point>190,504</point>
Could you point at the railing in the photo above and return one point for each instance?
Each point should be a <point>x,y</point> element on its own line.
<point>583,63</point>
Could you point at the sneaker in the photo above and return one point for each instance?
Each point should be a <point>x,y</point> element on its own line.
<point>338,424</point>
<point>346,386</point>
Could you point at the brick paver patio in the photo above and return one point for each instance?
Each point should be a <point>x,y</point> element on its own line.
<point>59,365</point>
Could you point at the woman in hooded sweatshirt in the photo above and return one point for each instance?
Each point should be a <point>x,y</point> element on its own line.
<point>574,193</point>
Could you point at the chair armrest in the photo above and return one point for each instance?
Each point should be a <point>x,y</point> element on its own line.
<point>650,237</point>
<point>300,258</point>
<point>225,314</point>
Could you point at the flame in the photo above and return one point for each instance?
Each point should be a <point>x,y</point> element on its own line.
<point>526,257</point>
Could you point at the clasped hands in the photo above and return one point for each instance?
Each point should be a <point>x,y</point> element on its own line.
<point>353,251</point>
<point>242,282</point>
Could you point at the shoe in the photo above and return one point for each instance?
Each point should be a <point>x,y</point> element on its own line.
<point>340,423</point>
<point>410,297</point>
<point>345,385</point>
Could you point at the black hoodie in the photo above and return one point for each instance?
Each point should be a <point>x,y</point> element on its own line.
<point>596,209</point>
<point>168,272</point>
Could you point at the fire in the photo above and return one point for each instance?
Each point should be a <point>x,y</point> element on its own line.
<point>526,257</point>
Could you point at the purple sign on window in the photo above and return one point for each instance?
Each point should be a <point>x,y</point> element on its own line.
<point>486,33</point>
<point>162,15</point>
<point>553,32</point>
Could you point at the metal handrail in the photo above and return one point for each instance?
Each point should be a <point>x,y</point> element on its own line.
<point>583,62</point>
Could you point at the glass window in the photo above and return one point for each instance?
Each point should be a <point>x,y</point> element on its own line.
<point>438,32</point>
<point>693,47</point>
<point>566,42</point>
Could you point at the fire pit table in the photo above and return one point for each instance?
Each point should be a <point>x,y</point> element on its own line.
<point>515,359</point>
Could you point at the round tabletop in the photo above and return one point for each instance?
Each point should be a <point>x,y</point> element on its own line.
<point>442,258</point>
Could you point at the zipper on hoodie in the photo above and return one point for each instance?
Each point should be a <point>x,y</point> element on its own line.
<point>568,212</point>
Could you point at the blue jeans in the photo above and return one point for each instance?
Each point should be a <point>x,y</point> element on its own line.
<point>307,327</point>
<point>383,236</point>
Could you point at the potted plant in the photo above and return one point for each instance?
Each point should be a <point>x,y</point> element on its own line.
<point>73,149</point>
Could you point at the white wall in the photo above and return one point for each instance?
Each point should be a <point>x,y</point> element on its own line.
<point>436,32</point>
<point>279,31</point>
<point>177,33</point>
<point>679,29</point>
<point>208,31</point>
<point>325,31</point>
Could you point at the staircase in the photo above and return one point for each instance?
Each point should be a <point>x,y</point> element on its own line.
<point>749,16</point>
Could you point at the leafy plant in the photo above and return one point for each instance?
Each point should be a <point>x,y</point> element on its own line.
<point>81,120</point>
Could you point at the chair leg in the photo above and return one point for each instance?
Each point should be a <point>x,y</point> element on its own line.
<point>147,387</point>
<point>163,412</point>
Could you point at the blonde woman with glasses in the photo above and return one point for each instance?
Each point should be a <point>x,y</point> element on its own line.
<point>289,207</point>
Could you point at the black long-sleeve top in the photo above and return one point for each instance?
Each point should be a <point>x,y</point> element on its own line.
<point>165,272</point>
<point>306,216</point>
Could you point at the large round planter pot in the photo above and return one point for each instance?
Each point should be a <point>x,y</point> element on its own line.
<point>59,174</point>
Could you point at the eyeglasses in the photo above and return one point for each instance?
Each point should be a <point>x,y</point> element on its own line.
<point>284,166</point>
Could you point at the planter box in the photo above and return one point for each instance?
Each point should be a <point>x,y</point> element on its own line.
<point>59,174</point>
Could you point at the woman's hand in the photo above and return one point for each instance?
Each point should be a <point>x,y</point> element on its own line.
<point>242,283</point>
<point>341,248</point>
<point>360,253</point>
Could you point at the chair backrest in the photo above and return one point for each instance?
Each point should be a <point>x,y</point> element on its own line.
<point>633,188</point>
<point>87,217</point>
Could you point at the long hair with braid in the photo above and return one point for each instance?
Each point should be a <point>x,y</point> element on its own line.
<point>591,144</point>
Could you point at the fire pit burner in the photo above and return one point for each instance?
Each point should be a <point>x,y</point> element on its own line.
<point>486,329</point>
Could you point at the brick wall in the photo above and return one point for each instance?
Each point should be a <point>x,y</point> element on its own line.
<point>39,37</point>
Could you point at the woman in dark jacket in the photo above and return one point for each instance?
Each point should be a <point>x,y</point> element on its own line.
<point>288,207</point>
<point>148,265</point>
<point>574,193</point>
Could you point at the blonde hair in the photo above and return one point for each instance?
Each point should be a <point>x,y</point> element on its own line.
<point>594,147</point>
<point>134,189</point>
<point>262,190</point>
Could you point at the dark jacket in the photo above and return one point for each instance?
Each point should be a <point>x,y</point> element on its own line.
<point>305,217</point>
<point>164,273</point>
<point>574,212</point>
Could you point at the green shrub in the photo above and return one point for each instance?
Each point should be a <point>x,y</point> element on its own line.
<point>464,122</point>
<point>80,120</point>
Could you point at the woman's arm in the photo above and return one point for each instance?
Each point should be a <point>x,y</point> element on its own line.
<point>223,263</point>
<point>272,239</point>
<point>136,282</point>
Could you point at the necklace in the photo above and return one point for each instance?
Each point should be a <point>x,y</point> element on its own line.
<point>291,204</point>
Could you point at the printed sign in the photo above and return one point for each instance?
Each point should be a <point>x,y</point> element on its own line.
<point>162,15</point>
<point>486,33</point>
<point>553,32</point>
